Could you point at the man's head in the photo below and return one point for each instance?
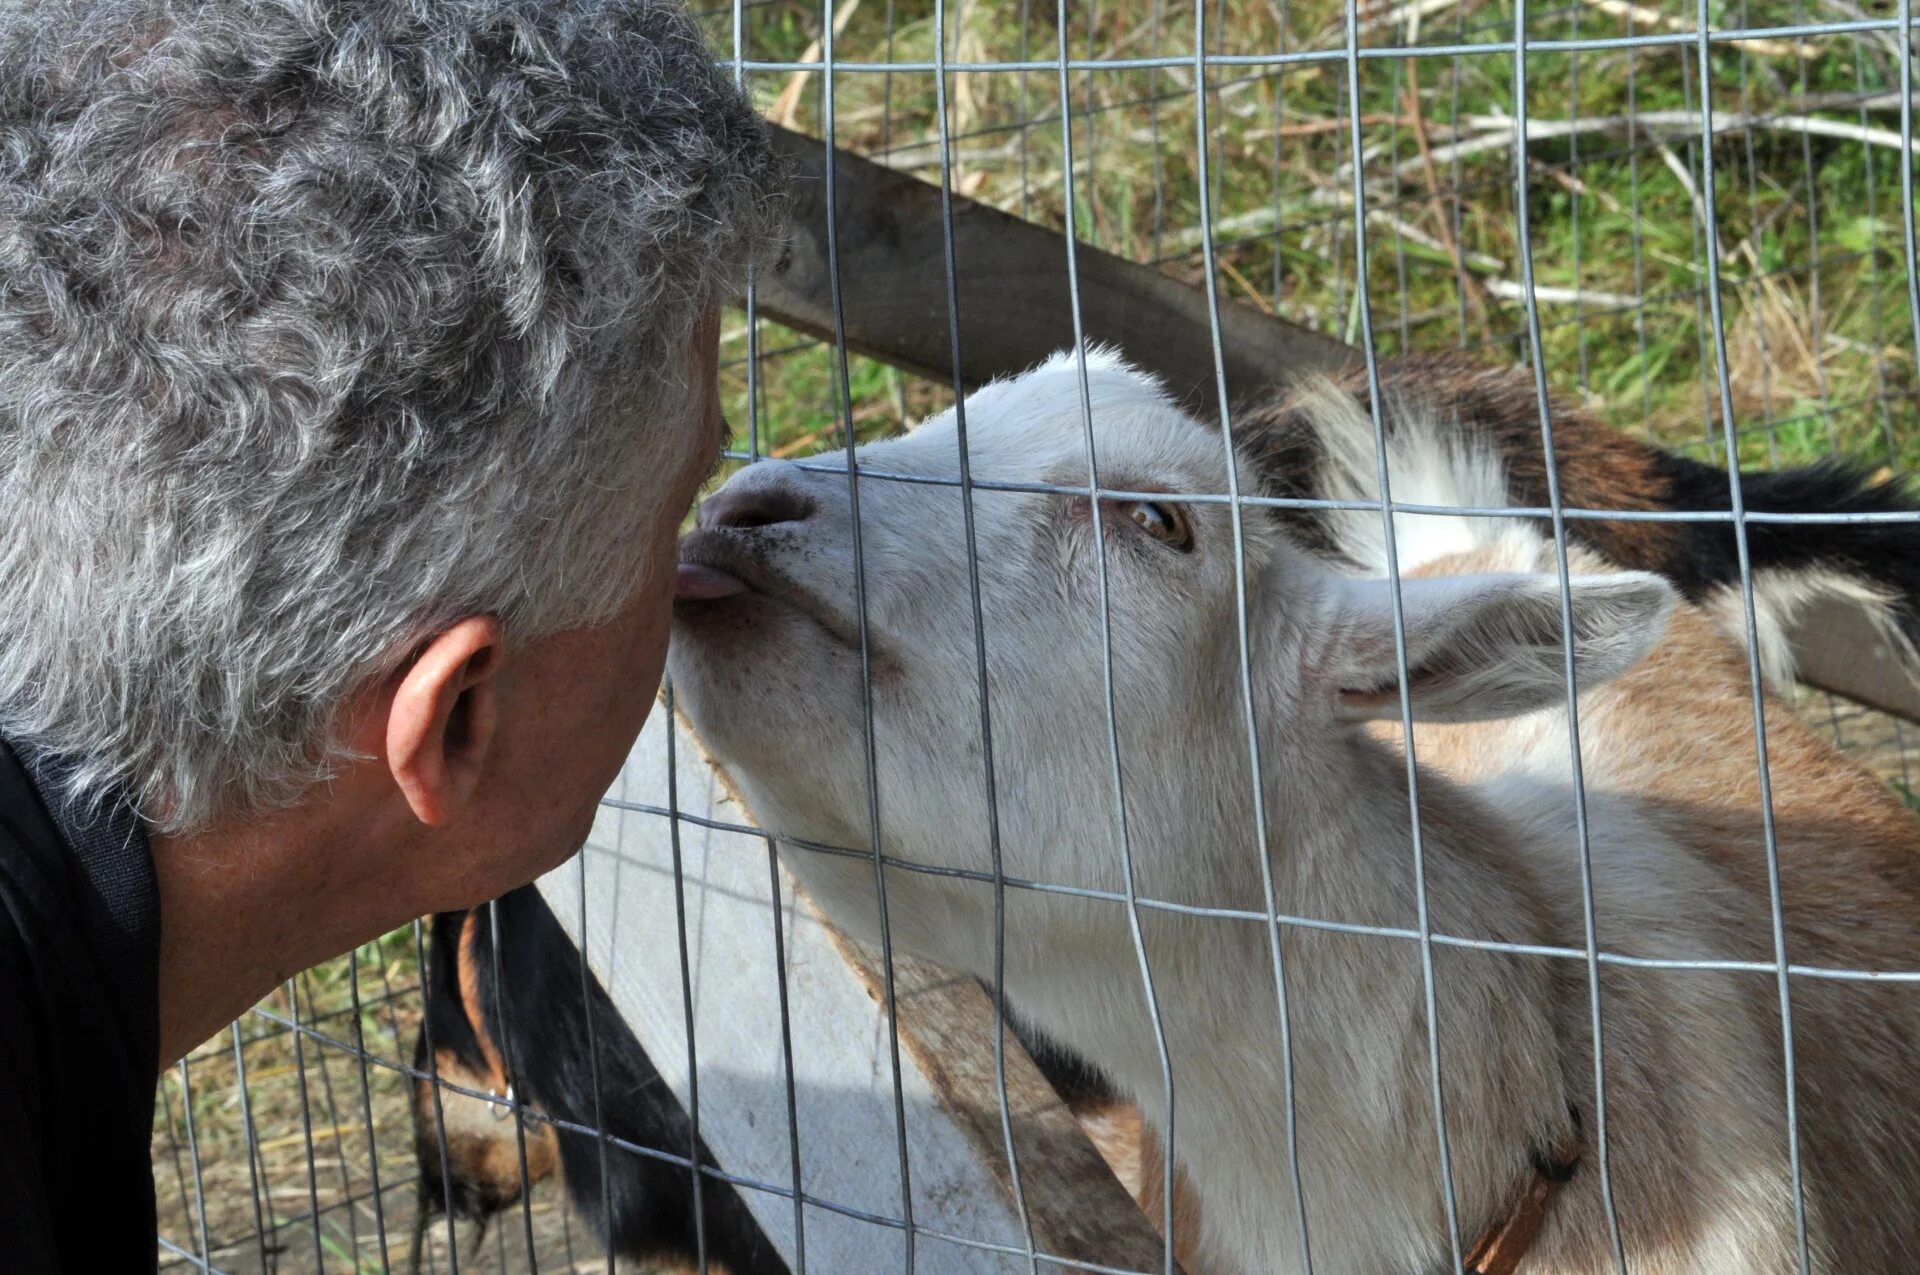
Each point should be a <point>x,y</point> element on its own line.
<point>356,367</point>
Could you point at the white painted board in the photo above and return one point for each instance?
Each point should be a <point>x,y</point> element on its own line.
<point>843,1087</point>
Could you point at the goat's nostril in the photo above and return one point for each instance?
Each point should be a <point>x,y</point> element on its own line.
<point>754,507</point>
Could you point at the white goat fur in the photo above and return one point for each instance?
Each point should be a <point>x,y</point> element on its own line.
<point>1694,1069</point>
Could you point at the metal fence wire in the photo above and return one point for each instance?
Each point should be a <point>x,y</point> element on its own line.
<point>1695,219</point>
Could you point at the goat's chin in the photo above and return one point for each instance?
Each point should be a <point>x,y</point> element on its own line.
<point>765,708</point>
<point>758,661</point>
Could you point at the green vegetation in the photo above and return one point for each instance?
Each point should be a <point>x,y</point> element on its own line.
<point>252,1143</point>
<point>1820,349</point>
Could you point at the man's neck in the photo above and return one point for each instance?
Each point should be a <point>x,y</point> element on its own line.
<point>244,908</point>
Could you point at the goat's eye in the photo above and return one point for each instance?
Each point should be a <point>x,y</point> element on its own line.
<point>1166,523</point>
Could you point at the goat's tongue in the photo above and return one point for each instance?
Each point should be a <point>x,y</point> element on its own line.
<point>700,583</point>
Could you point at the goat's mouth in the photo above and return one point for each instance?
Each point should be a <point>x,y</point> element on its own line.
<point>718,569</point>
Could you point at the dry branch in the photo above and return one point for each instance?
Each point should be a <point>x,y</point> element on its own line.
<point>1496,132</point>
<point>786,107</point>
<point>1639,15</point>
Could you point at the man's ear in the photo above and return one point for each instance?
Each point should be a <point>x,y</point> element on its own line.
<point>441,720</point>
<point>1490,646</point>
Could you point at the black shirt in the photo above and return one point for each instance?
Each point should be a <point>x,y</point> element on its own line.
<point>79,1028</point>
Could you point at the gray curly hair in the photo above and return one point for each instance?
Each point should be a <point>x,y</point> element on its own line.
<point>324,323</point>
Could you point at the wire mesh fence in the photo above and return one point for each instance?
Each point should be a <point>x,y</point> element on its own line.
<point>1695,220</point>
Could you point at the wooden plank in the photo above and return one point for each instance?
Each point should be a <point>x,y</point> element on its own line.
<point>842,1077</point>
<point>1014,302</point>
<point>1840,648</point>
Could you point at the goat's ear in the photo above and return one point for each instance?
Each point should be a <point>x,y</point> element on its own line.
<point>1485,647</point>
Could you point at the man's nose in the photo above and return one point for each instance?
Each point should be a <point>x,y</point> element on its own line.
<point>767,503</point>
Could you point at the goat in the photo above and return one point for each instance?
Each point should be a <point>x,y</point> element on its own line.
<point>527,1030</point>
<point>1112,641</point>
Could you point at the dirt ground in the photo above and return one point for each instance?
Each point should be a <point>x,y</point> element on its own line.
<point>560,1242</point>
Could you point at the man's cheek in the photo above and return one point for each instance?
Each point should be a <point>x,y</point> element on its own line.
<point>649,664</point>
<point>637,668</point>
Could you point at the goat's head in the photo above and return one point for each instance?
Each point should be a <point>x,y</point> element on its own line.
<point>767,649</point>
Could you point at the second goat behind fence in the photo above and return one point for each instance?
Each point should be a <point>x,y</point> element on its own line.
<point>1116,676</point>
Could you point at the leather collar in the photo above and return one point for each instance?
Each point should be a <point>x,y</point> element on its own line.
<point>1501,1248</point>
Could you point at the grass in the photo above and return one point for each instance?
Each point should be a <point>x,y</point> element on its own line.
<point>1818,335</point>
<point>238,1102</point>
<point>299,1169</point>
<point>1820,348</point>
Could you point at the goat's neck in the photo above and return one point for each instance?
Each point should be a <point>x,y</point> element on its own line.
<point>1340,850</point>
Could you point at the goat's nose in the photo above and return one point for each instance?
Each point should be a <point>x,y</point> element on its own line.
<point>763,504</point>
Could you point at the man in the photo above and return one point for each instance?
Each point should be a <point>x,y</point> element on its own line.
<point>356,369</point>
